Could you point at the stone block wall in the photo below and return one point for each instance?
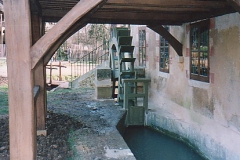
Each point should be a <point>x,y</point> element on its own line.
<point>103,89</point>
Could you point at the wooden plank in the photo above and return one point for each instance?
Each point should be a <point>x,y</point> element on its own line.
<point>172,40</point>
<point>45,44</point>
<point>152,9</point>
<point>40,79</point>
<point>152,18</point>
<point>36,32</point>
<point>235,4</point>
<point>55,9</point>
<point>35,6</point>
<point>142,16</point>
<point>22,128</point>
<point>119,20</point>
<point>168,3</point>
<point>36,90</point>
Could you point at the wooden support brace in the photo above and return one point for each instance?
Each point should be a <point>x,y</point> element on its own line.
<point>39,76</point>
<point>235,4</point>
<point>172,40</point>
<point>56,36</point>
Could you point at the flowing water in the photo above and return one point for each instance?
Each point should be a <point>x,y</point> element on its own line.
<point>147,144</point>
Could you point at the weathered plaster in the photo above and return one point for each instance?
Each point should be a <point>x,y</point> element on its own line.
<point>207,114</point>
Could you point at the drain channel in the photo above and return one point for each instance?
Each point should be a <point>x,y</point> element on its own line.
<point>146,144</point>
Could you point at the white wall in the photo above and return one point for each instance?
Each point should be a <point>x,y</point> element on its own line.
<point>208,114</point>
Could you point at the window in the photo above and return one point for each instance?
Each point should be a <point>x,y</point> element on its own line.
<point>199,49</point>
<point>164,54</point>
<point>142,47</point>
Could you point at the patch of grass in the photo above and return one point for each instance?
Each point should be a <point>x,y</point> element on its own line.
<point>3,99</point>
<point>71,142</point>
<point>3,110</point>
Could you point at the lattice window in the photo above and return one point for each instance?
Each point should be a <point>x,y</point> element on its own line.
<point>199,58</point>
<point>164,54</point>
<point>142,47</point>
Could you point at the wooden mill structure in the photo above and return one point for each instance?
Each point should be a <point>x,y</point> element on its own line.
<point>29,49</point>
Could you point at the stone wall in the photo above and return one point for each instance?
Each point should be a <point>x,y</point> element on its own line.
<point>207,114</point>
<point>86,80</point>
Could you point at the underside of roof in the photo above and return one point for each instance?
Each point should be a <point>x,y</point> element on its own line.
<point>147,12</point>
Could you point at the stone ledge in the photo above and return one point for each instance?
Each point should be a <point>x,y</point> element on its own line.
<point>42,132</point>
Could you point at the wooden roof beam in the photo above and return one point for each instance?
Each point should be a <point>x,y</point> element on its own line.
<point>135,22</point>
<point>152,9</point>
<point>146,17</point>
<point>169,3</point>
<point>45,44</point>
<point>168,36</point>
<point>235,4</point>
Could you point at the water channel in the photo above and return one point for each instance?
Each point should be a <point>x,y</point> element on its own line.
<point>148,144</point>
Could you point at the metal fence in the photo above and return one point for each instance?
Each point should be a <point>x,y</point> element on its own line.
<point>89,61</point>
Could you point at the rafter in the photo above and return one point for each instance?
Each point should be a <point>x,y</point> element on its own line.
<point>141,11</point>
<point>172,40</point>
<point>235,4</point>
<point>168,3</point>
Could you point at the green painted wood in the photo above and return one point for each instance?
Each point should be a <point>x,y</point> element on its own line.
<point>126,48</point>
<point>128,83</point>
<point>128,60</point>
<point>124,40</point>
<point>123,32</point>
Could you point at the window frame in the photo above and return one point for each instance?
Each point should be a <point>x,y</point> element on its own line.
<point>202,25</point>
<point>142,47</point>
<point>165,47</point>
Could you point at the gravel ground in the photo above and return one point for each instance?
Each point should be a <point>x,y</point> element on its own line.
<point>78,126</point>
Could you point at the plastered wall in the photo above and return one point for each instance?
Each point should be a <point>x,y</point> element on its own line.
<point>207,114</point>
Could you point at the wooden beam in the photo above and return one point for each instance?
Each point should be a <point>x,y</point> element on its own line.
<point>35,6</point>
<point>40,80</point>
<point>39,76</point>
<point>169,3</point>
<point>143,17</point>
<point>172,40</point>
<point>62,39</point>
<point>36,27</point>
<point>41,48</point>
<point>235,4</point>
<point>22,124</point>
<point>135,21</point>
<point>152,9</point>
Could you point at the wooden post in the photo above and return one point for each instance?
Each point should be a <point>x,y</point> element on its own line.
<point>22,124</point>
<point>39,78</point>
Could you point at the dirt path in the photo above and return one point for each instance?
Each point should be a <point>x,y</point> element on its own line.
<point>79,126</point>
